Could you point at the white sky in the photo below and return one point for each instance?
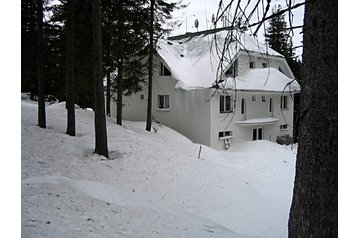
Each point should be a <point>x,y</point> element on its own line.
<point>204,9</point>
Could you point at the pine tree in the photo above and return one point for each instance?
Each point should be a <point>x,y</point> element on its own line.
<point>40,67</point>
<point>99,110</point>
<point>314,209</point>
<point>28,52</point>
<point>278,38</point>
<point>70,70</point>
<point>150,66</point>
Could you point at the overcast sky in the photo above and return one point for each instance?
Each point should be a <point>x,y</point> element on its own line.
<point>204,9</point>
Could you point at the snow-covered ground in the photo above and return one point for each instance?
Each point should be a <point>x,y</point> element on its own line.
<point>154,186</point>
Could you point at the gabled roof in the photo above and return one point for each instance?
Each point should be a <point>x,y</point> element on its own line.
<point>264,79</point>
<point>193,58</point>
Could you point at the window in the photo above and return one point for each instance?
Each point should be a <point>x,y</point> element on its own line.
<point>270,106</point>
<point>163,101</point>
<point>164,71</point>
<point>263,99</point>
<point>257,134</point>
<point>284,127</point>
<point>264,65</point>
<point>225,134</point>
<point>225,103</point>
<point>253,98</point>
<point>242,106</point>
<point>232,70</point>
<point>252,64</point>
<point>141,97</point>
<point>284,104</point>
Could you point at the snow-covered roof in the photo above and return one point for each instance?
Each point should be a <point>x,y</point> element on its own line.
<point>193,59</point>
<point>264,79</point>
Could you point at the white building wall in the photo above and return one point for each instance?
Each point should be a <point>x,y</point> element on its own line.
<point>243,63</point>
<point>253,110</point>
<point>188,111</point>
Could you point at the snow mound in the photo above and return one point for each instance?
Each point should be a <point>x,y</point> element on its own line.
<point>157,187</point>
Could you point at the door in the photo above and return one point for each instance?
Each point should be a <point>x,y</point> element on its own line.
<point>257,134</point>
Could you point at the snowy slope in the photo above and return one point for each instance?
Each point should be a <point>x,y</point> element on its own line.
<point>155,186</point>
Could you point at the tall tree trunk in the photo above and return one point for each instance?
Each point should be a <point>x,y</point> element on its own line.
<point>40,67</point>
<point>150,67</point>
<point>108,94</point>
<point>119,91</point>
<point>314,210</point>
<point>99,113</point>
<point>120,65</point>
<point>70,70</point>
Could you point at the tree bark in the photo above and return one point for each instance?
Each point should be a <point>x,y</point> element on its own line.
<point>40,67</point>
<point>108,95</point>
<point>119,91</point>
<point>314,210</point>
<point>70,70</point>
<point>99,113</point>
<point>150,67</point>
<point>120,65</point>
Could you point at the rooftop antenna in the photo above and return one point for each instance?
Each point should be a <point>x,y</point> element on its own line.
<point>196,24</point>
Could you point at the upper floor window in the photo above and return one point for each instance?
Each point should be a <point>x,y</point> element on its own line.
<point>252,64</point>
<point>242,106</point>
<point>163,101</point>
<point>263,98</point>
<point>253,98</point>
<point>284,102</point>
<point>264,65</point>
<point>225,103</point>
<point>164,71</point>
<point>232,70</point>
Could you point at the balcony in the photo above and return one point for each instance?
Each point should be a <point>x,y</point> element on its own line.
<point>258,122</point>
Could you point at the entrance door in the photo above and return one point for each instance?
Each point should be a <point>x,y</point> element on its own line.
<point>257,134</point>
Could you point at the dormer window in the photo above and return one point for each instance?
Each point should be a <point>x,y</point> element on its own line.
<point>232,70</point>
<point>164,71</point>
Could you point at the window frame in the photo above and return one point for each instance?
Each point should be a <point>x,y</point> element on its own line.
<point>225,135</point>
<point>264,65</point>
<point>165,106</point>
<point>284,102</point>
<point>242,106</point>
<point>284,127</point>
<point>252,63</point>
<point>164,71</point>
<point>225,102</point>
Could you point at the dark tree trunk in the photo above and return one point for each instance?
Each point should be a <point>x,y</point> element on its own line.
<point>108,95</point>
<point>150,67</point>
<point>119,91</point>
<point>70,70</point>
<point>99,113</point>
<point>120,65</point>
<point>40,68</point>
<point>314,210</point>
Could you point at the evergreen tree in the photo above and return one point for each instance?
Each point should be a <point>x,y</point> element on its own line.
<point>101,147</point>
<point>40,67</point>
<point>70,69</point>
<point>278,38</point>
<point>150,67</point>
<point>159,14</point>
<point>314,209</point>
<point>28,52</point>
